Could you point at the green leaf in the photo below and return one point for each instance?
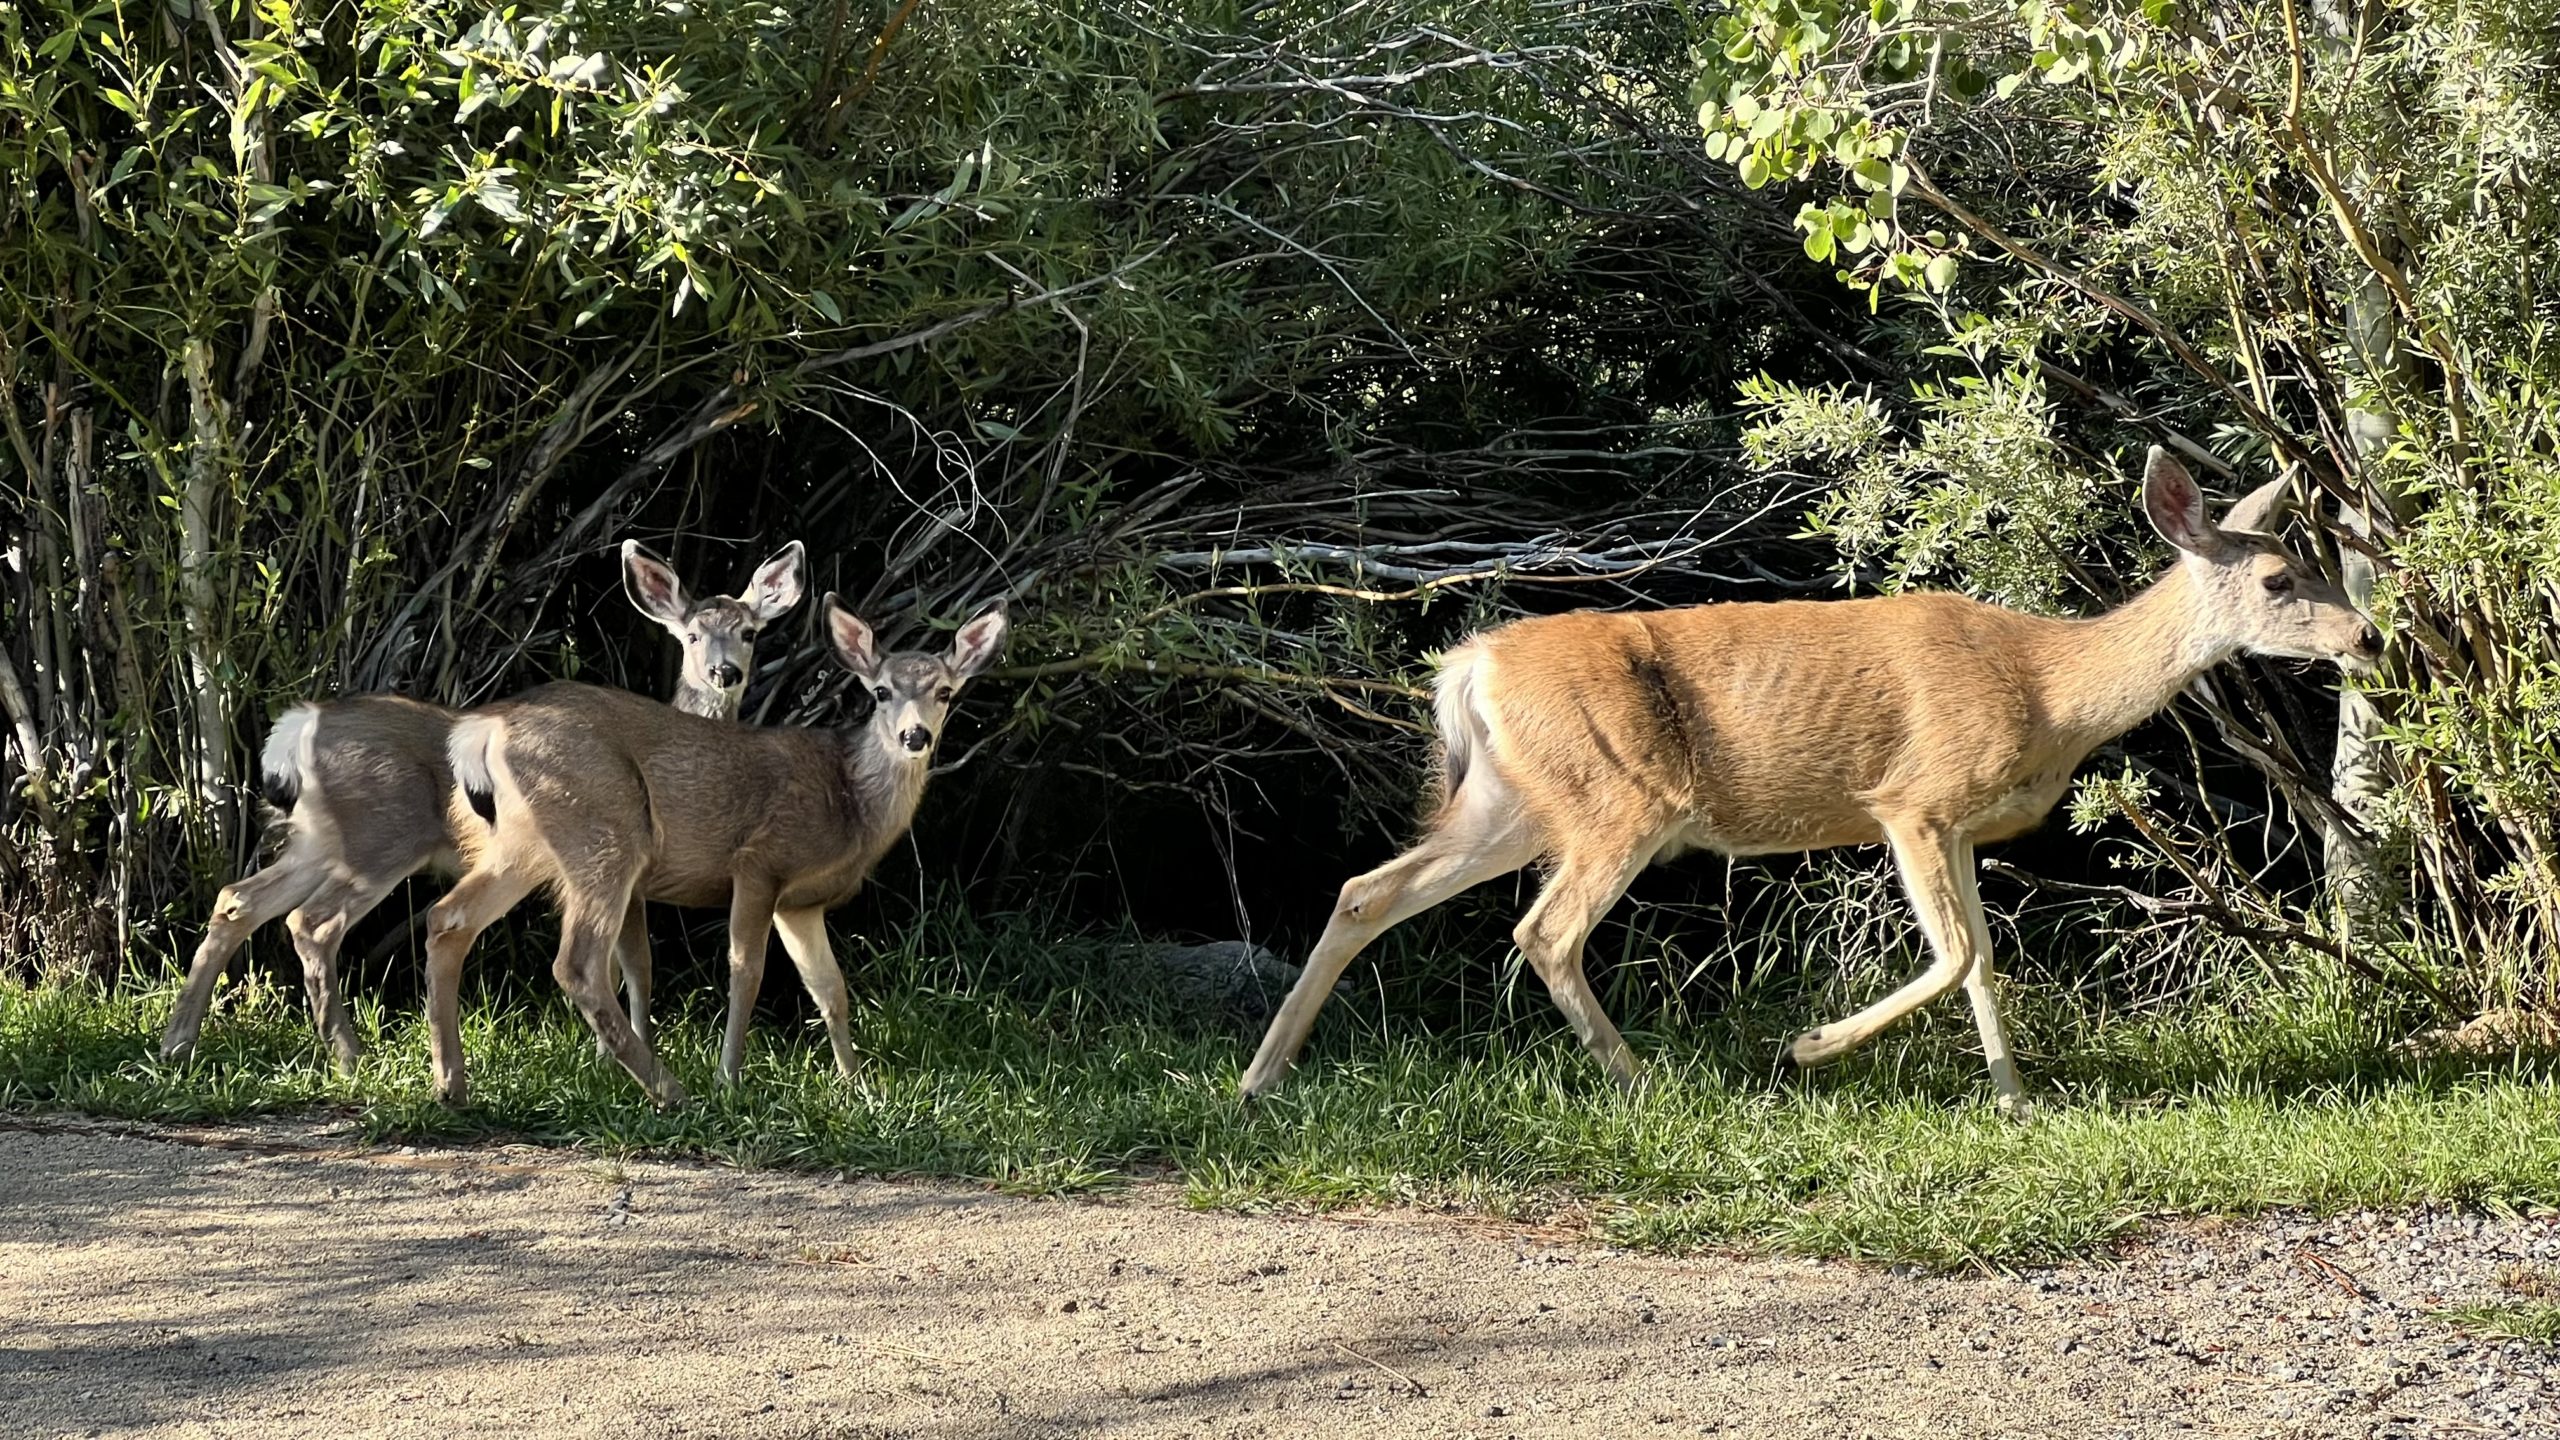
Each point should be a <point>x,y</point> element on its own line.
<point>1755,170</point>
<point>1940,273</point>
<point>499,199</point>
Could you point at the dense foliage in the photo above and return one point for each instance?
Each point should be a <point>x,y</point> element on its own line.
<point>1253,350</point>
<point>2307,240</point>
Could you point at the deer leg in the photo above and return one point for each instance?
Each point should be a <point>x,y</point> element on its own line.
<point>471,906</point>
<point>804,939</point>
<point>1482,836</point>
<point>242,907</point>
<point>319,927</point>
<point>630,956</point>
<point>1981,987</point>
<point>587,938</point>
<point>638,967</point>
<point>1935,865</point>
<point>1551,935</point>
<point>750,924</point>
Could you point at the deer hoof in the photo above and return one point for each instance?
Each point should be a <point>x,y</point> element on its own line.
<point>1817,1047</point>
<point>2015,1107</point>
<point>670,1095</point>
<point>1256,1086</point>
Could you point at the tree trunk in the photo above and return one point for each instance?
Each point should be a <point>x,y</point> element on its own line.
<point>2363,884</point>
<point>208,454</point>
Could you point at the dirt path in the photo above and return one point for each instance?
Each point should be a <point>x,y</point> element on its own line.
<point>275,1283</point>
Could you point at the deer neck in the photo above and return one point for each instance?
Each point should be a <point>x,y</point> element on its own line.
<point>885,788</point>
<point>2103,676</point>
<point>700,700</point>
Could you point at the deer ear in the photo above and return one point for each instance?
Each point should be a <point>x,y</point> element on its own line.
<point>977,643</point>
<point>852,639</point>
<point>2176,506</point>
<point>653,586</point>
<point>2261,510</point>
<point>776,586</point>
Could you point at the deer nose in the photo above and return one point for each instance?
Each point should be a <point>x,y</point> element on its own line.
<point>729,677</point>
<point>917,738</point>
<point>2369,640</point>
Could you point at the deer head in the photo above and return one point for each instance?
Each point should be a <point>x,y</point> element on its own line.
<point>2250,592</point>
<point>912,690</point>
<point>718,632</point>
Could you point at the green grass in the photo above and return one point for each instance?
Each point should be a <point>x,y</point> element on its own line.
<point>2508,1320</point>
<point>1048,1076</point>
<point>2533,1315</point>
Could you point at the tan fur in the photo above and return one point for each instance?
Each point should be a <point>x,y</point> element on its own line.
<point>605,799</point>
<point>362,786</point>
<point>1604,742</point>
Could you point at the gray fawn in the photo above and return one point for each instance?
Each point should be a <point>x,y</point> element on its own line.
<point>1601,743</point>
<point>606,798</point>
<point>360,783</point>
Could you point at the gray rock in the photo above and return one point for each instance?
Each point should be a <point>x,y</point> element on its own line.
<point>1231,980</point>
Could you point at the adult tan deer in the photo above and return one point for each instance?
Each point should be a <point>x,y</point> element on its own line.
<point>360,785</point>
<point>606,798</point>
<point>1602,743</point>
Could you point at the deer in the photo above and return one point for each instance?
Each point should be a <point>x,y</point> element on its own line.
<point>606,798</point>
<point>358,786</point>
<point>1604,742</point>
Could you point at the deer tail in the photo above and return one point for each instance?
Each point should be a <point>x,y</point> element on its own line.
<point>1457,708</point>
<point>285,767</point>
<point>469,750</point>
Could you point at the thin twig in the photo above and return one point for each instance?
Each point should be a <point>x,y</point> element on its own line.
<point>1420,1391</point>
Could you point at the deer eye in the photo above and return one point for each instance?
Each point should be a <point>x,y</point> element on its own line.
<point>943,695</point>
<point>2280,583</point>
<point>747,635</point>
<point>880,693</point>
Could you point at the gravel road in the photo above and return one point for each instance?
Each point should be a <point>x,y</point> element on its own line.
<point>279,1281</point>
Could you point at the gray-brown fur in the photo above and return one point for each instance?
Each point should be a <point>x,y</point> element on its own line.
<point>605,799</point>
<point>363,782</point>
<point>360,786</point>
<point>718,633</point>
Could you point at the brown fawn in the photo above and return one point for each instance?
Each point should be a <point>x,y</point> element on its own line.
<point>1601,743</point>
<point>359,784</point>
<point>607,798</point>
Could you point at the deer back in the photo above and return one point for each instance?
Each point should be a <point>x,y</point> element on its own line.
<point>595,788</point>
<point>370,771</point>
<point>1761,728</point>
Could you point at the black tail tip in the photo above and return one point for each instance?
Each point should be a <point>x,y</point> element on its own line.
<point>484,803</point>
